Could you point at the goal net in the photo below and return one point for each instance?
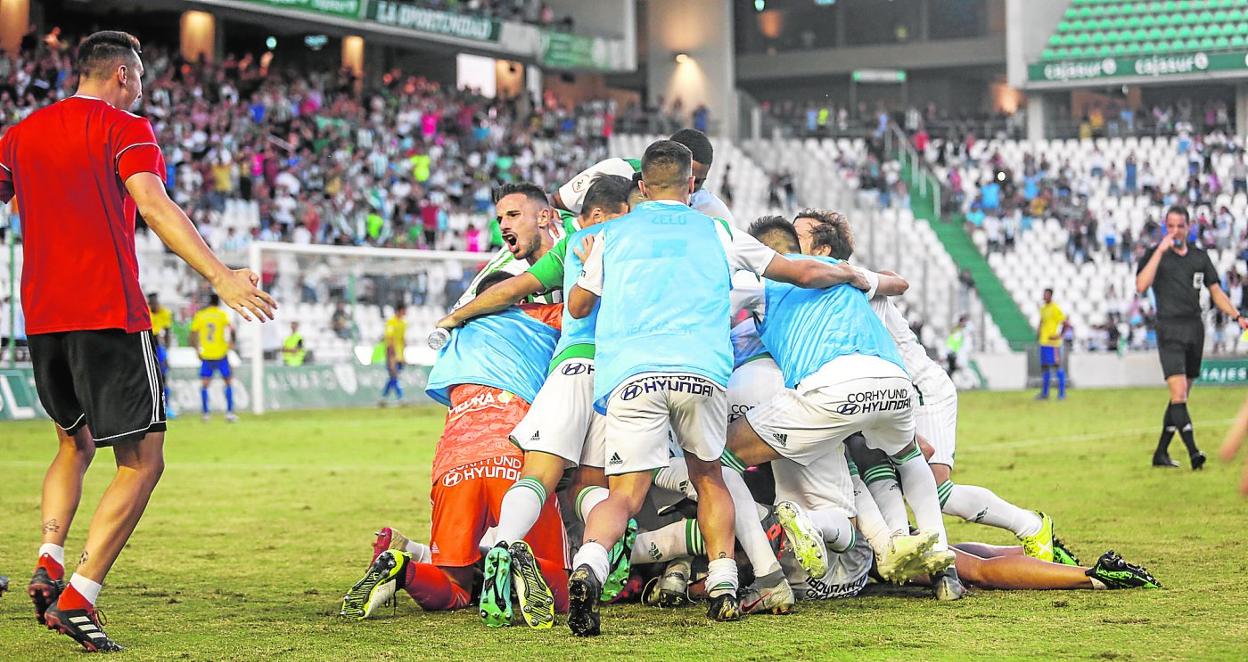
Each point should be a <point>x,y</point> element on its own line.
<point>341,297</point>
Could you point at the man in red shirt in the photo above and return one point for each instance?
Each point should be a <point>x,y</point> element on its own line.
<point>79,169</point>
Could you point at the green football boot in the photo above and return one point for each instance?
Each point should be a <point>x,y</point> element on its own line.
<point>495,601</point>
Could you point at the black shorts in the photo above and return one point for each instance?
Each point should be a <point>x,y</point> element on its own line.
<point>1181,348</point>
<point>108,380</point>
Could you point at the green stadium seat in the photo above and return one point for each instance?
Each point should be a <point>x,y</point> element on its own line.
<point>1239,41</point>
<point>1184,32</point>
<point>1132,22</point>
<point>1134,48</point>
<point>1242,28</point>
<point>1097,38</point>
<point>1154,34</point>
<point>1222,43</point>
<point>1119,50</point>
<point>1206,43</point>
<point>1119,23</point>
<point>1148,21</point>
<point>1139,35</point>
<point>1191,44</point>
<point>1170,33</point>
<point>1148,48</point>
<point>1104,51</point>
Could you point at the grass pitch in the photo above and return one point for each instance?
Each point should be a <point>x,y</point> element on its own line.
<point>257,530</point>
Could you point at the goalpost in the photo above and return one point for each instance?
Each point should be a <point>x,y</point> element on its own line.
<point>310,280</point>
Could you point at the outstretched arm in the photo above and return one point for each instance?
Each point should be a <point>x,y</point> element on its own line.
<point>238,288</point>
<point>814,273</point>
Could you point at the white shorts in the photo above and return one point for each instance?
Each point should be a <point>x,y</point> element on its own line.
<point>823,484</point>
<point>752,384</point>
<point>641,411</point>
<point>936,419</point>
<point>850,394</point>
<point>562,420</point>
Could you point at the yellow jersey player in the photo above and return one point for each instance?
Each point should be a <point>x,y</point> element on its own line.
<point>395,340</point>
<point>162,327</point>
<point>212,336</point>
<point>1052,324</point>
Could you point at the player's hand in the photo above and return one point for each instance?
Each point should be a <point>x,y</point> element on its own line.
<point>1243,323</point>
<point>449,323</point>
<point>582,251</point>
<point>240,290</point>
<point>1168,242</point>
<point>859,280</point>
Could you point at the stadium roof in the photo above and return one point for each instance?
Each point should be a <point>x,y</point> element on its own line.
<point>1127,41</point>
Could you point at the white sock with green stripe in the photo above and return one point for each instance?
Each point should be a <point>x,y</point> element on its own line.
<point>675,477</point>
<point>980,505</point>
<point>838,531</point>
<point>919,487</point>
<point>881,481</point>
<point>721,577</point>
<point>871,521</point>
<point>682,538</point>
<point>522,505</point>
<point>588,498</point>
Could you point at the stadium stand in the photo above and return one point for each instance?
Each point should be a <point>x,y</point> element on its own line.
<point>1101,28</point>
<point>1077,215</point>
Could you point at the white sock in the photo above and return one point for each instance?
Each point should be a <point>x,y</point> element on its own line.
<point>682,538</point>
<point>675,477</point>
<point>919,487</point>
<point>887,495</point>
<point>870,521</point>
<point>420,552</point>
<point>85,587</point>
<point>57,552</point>
<point>595,556</point>
<point>838,531</point>
<point>588,498</point>
<point>979,504</point>
<point>749,529</point>
<point>522,504</point>
<point>721,577</point>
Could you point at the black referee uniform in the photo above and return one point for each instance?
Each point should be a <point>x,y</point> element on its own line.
<point>1180,335</point>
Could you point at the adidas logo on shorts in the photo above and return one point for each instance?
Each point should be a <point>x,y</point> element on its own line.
<point>615,459</point>
<point>782,439</point>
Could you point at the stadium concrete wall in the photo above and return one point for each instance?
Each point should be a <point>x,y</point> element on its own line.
<point>1008,372</point>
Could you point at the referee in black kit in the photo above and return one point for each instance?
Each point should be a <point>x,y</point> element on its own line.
<point>1176,271</point>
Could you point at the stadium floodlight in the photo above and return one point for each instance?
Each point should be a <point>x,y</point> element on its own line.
<point>309,279</point>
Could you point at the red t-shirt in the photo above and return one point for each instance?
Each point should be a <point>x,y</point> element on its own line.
<point>67,164</point>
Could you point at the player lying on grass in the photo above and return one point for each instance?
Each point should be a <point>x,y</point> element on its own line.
<point>487,374</point>
<point>828,233</point>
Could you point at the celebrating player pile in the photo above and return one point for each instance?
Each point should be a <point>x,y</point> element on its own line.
<point>648,406</point>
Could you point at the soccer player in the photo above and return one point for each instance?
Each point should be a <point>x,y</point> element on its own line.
<point>843,374</point>
<point>662,360</point>
<point>529,227</point>
<point>1234,439</point>
<point>823,232</point>
<point>162,326</point>
<point>570,195</point>
<point>79,168</point>
<point>1176,271</point>
<point>1052,324</point>
<point>395,342</point>
<point>561,430</point>
<point>487,374</point>
<point>212,335</point>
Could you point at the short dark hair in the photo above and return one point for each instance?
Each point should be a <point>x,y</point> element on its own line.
<point>490,280</point>
<point>832,230</point>
<point>1181,211</point>
<point>666,164</point>
<point>98,54</point>
<point>400,305</point>
<point>607,192</point>
<point>1048,291</point>
<point>527,189</point>
<point>698,144</point>
<point>214,300</point>
<point>776,231</point>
